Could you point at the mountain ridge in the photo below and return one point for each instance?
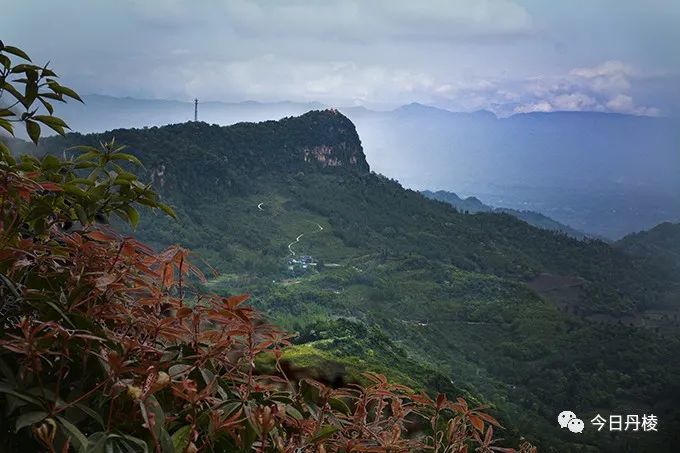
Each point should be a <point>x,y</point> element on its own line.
<point>661,243</point>
<point>473,205</point>
<point>601,173</point>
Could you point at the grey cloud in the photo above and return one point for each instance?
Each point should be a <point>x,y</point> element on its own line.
<point>331,20</point>
<point>460,54</point>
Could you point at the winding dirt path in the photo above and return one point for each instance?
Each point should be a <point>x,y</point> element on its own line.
<point>297,239</point>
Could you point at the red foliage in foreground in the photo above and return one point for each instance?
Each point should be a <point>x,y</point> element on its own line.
<point>105,345</point>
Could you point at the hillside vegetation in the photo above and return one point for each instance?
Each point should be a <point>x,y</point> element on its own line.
<point>409,286</point>
<point>661,243</point>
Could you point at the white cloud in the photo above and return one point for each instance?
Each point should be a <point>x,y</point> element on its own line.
<point>605,69</point>
<point>270,78</point>
<point>603,88</point>
<point>574,101</point>
<point>623,103</point>
<point>542,106</point>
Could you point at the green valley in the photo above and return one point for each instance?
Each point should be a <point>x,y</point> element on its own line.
<point>410,287</point>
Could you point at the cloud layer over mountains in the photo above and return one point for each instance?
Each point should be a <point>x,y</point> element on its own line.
<point>506,56</point>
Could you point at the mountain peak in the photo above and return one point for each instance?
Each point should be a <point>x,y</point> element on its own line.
<point>206,156</point>
<point>327,138</point>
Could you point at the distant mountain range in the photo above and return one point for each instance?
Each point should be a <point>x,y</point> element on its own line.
<point>100,113</point>
<point>603,174</point>
<point>473,205</point>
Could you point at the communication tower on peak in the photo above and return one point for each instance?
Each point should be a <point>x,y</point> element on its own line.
<point>196,109</point>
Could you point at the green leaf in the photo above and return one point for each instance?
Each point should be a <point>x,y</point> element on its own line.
<point>49,162</point>
<point>77,438</point>
<point>127,157</point>
<point>133,215</point>
<point>91,413</point>
<point>324,432</point>
<point>48,119</point>
<point>4,388</point>
<point>5,61</point>
<point>339,405</point>
<point>179,370</point>
<point>46,104</point>
<point>168,210</point>
<point>28,419</point>
<point>53,96</point>
<point>16,51</point>
<point>82,215</point>
<point>60,89</point>
<point>230,407</point>
<point>30,94</point>
<point>13,91</point>
<point>181,438</point>
<point>96,443</point>
<point>294,413</point>
<point>25,68</point>
<point>52,122</point>
<point>33,130</point>
<point>58,309</point>
<point>74,190</point>
<point>47,72</point>
<point>152,404</point>
<point>130,442</point>
<point>165,440</point>
<point>6,125</point>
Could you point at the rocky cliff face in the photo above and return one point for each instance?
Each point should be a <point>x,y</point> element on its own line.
<point>328,139</point>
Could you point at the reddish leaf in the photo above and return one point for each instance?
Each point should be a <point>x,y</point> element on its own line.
<point>234,301</point>
<point>99,236</point>
<point>51,186</point>
<point>477,423</point>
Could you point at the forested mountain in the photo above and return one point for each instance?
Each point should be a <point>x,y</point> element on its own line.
<point>661,243</point>
<point>523,318</point>
<point>600,173</point>
<point>473,205</point>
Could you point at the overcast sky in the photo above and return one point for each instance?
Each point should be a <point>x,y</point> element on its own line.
<point>503,55</point>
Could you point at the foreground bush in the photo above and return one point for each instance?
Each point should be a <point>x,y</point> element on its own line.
<point>105,346</point>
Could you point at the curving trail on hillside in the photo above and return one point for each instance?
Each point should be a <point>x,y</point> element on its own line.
<point>297,239</point>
